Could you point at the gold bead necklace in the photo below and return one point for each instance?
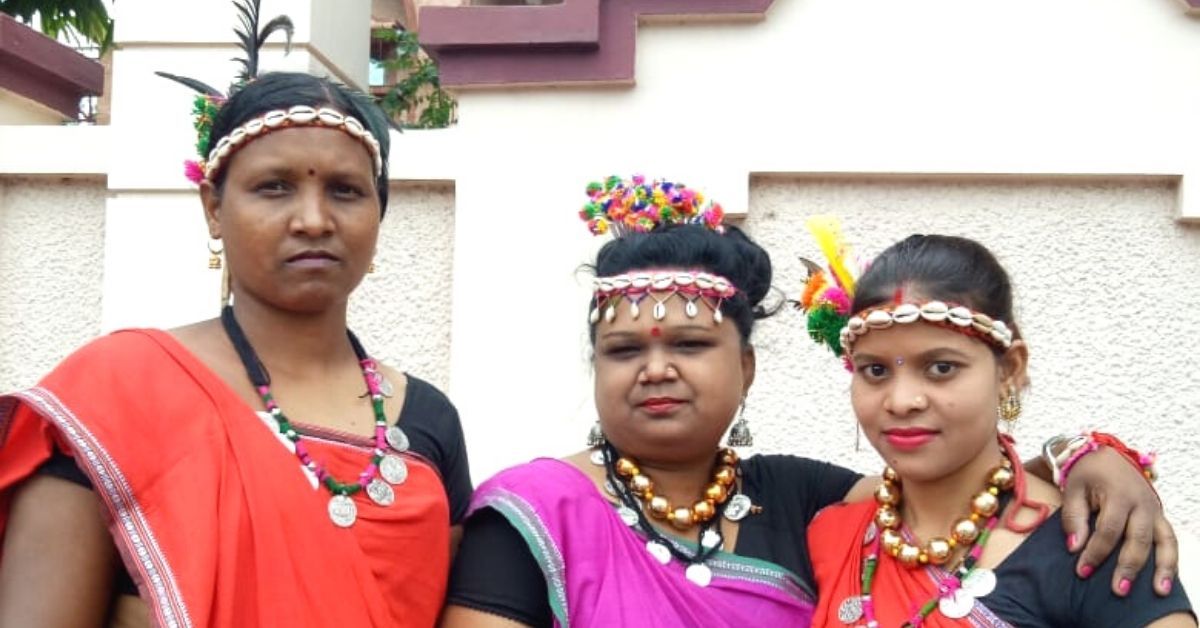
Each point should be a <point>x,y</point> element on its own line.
<point>682,517</point>
<point>963,532</point>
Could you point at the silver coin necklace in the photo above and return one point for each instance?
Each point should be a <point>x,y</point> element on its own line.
<point>385,469</point>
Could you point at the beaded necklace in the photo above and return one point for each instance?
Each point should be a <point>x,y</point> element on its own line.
<point>956,593</point>
<point>662,548</point>
<point>388,466</point>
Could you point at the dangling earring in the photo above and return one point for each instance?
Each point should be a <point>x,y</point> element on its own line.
<point>1009,409</point>
<point>214,257</point>
<point>739,434</point>
<point>595,436</point>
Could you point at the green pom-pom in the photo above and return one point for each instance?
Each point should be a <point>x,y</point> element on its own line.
<point>825,327</point>
<point>594,187</point>
<point>612,182</point>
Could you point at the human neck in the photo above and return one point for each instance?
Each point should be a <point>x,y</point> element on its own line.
<point>930,507</point>
<point>295,343</point>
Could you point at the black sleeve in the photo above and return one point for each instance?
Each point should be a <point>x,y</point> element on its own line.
<point>62,466</point>
<point>495,572</point>
<point>811,484</point>
<point>1041,589</point>
<point>1094,603</point>
<point>434,431</point>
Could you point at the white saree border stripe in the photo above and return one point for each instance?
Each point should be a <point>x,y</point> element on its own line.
<point>135,533</point>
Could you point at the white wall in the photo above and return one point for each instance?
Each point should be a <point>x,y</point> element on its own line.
<point>51,254</point>
<point>857,87</point>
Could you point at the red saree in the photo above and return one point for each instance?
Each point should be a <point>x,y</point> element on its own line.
<point>213,516</point>
<point>836,544</point>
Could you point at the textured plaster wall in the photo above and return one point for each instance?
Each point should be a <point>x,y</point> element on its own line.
<point>402,310</point>
<point>51,247</point>
<point>1106,295</point>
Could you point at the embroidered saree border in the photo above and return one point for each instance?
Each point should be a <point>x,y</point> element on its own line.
<point>136,539</point>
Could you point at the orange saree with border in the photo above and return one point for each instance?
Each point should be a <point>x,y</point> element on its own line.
<point>214,518</point>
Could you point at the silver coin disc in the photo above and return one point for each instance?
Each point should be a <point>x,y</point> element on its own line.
<point>381,492</point>
<point>738,507</point>
<point>851,610</point>
<point>710,539</point>
<point>659,551</point>
<point>957,605</point>
<point>393,469</point>
<point>628,516</point>
<point>396,438</point>
<point>597,457</point>
<point>980,582</point>
<point>699,573</point>
<point>342,511</point>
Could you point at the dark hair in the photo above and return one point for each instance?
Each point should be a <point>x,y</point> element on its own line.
<point>945,268</point>
<point>731,255</point>
<point>281,90</point>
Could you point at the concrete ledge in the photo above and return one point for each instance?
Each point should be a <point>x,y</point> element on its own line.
<point>41,69</point>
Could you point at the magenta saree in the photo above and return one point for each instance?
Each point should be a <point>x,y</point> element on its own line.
<point>599,573</point>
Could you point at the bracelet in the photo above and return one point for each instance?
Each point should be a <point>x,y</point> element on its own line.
<point>1143,462</point>
<point>1088,447</point>
<point>1075,447</point>
<point>1056,459</point>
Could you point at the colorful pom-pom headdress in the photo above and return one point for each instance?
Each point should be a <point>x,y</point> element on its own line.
<point>829,296</point>
<point>828,293</point>
<point>639,206</point>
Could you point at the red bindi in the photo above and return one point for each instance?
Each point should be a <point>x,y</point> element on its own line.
<point>655,331</point>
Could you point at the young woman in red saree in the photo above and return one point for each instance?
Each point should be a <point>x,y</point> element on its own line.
<point>256,469</point>
<point>956,534</point>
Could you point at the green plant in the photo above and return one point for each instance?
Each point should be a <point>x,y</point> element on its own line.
<point>417,100</point>
<point>75,19</point>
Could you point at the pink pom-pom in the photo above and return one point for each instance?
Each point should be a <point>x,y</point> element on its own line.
<point>193,171</point>
<point>837,297</point>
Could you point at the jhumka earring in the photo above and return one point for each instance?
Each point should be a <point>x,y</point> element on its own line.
<point>214,256</point>
<point>595,436</point>
<point>739,434</point>
<point>1010,407</point>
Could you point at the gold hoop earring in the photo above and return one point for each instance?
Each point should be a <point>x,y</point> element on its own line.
<point>214,256</point>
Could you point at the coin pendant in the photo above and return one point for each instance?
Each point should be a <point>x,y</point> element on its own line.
<point>957,605</point>
<point>628,516</point>
<point>980,582</point>
<point>699,573</point>
<point>710,539</point>
<point>381,492</point>
<point>851,610</point>
<point>396,438</point>
<point>738,507</point>
<point>597,457</point>
<point>609,488</point>
<point>659,551</point>
<point>393,469</point>
<point>342,511</point>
